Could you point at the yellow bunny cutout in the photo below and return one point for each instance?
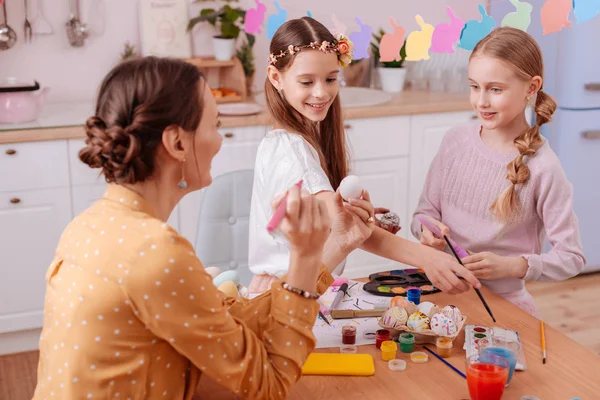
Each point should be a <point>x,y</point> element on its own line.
<point>418,42</point>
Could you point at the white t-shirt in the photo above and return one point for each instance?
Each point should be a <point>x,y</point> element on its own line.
<point>283,159</point>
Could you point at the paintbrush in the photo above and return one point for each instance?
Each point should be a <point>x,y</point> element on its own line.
<point>445,362</point>
<point>280,212</point>
<point>346,314</point>
<point>476,290</point>
<point>543,339</point>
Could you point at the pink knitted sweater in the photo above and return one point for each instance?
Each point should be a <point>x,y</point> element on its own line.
<point>466,177</point>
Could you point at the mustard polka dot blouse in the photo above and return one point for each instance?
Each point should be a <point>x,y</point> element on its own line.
<point>130,313</point>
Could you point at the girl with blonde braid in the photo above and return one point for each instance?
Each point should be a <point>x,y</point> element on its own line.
<point>495,186</point>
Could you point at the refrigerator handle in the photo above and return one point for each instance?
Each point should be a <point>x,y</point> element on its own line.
<point>592,86</point>
<point>590,135</point>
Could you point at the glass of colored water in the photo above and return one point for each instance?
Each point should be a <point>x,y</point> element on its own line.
<point>505,352</point>
<point>486,376</point>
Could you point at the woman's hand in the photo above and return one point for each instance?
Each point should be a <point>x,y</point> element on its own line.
<point>306,226</point>
<point>429,239</point>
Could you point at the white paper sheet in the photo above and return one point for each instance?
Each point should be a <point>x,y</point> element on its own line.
<point>356,299</point>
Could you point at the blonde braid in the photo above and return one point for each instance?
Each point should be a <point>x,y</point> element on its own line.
<point>517,171</point>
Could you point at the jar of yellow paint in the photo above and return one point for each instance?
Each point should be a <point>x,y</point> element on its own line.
<point>388,350</point>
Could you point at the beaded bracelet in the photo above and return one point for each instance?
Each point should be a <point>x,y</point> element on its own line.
<point>300,292</point>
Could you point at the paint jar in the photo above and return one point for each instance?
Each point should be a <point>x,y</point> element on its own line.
<point>388,350</point>
<point>414,295</point>
<point>419,357</point>
<point>380,336</point>
<point>444,347</point>
<point>348,334</point>
<point>407,342</point>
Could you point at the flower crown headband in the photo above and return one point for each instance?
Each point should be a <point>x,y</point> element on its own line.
<point>341,45</point>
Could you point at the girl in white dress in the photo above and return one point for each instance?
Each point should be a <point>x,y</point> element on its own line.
<point>308,143</point>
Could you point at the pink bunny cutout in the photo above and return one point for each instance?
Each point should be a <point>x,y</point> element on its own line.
<point>391,43</point>
<point>255,18</point>
<point>555,15</point>
<point>446,35</point>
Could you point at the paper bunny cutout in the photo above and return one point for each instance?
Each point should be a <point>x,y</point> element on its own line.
<point>338,26</point>
<point>361,40</point>
<point>276,20</point>
<point>586,9</point>
<point>391,43</point>
<point>418,42</point>
<point>519,19</point>
<point>555,15</point>
<point>446,35</point>
<point>475,30</point>
<point>254,18</point>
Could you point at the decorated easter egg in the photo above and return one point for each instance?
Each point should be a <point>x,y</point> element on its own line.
<point>213,271</point>
<point>397,317</point>
<point>428,308</point>
<point>399,301</point>
<point>443,325</point>
<point>390,219</point>
<point>230,275</point>
<point>351,188</point>
<point>229,288</point>
<point>454,313</point>
<point>418,322</point>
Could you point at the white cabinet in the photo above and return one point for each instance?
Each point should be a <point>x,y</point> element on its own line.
<point>426,134</point>
<point>35,165</point>
<point>31,223</point>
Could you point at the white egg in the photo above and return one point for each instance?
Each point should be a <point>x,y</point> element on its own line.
<point>351,188</point>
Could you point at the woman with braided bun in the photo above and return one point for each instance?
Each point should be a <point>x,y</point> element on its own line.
<point>495,186</point>
<point>130,312</point>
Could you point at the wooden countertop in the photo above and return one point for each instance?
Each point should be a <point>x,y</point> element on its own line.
<point>405,103</point>
<point>571,370</point>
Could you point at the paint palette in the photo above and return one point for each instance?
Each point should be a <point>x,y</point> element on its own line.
<point>479,337</point>
<point>396,283</point>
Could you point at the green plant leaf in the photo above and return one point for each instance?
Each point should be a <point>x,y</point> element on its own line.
<point>229,30</point>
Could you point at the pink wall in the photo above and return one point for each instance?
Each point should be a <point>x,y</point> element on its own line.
<point>73,74</point>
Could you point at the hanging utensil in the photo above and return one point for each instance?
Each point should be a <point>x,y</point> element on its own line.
<point>8,36</point>
<point>27,30</point>
<point>76,31</point>
<point>40,24</point>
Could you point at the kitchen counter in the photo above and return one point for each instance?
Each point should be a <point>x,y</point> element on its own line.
<point>65,120</point>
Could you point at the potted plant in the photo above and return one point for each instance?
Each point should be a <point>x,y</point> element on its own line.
<point>246,56</point>
<point>392,74</point>
<point>228,20</point>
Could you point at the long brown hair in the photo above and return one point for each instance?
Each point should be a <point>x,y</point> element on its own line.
<point>136,102</point>
<point>327,137</point>
<point>519,50</point>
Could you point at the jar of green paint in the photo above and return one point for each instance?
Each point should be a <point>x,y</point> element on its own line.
<point>407,342</point>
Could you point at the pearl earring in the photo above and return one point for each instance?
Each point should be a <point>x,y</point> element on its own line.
<point>182,182</point>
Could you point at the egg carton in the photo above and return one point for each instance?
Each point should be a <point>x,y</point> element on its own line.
<point>424,337</point>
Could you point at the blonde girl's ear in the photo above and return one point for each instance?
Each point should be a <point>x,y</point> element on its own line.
<point>274,77</point>
<point>535,85</point>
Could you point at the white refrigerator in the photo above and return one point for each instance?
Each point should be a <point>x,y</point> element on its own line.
<point>575,131</point>
<point>572,77</point>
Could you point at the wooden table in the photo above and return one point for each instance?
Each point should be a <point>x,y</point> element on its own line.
<point>571,370</point>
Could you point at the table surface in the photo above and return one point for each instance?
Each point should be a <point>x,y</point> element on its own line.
<point>571,370</point>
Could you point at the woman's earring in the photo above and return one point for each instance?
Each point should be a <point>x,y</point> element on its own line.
<point>182,182</point>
